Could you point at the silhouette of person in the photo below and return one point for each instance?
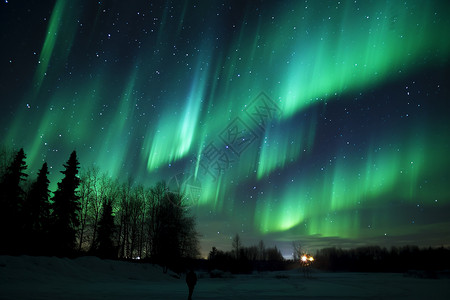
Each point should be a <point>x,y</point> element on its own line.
<point>191,280</point>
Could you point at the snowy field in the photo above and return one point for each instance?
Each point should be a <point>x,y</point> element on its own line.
<point>27,277</point>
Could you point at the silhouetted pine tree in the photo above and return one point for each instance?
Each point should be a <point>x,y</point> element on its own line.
<point>37,213</point>
<point>65,209</point>
<point>106,229</point>
<point>11,201</point>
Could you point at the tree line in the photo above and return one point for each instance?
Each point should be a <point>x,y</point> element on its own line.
<point>91,213</point>
<point>381,259</point>
<point>409,259</point>
<point>242,259</point>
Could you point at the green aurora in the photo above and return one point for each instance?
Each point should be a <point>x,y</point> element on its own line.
<point>295,120</point>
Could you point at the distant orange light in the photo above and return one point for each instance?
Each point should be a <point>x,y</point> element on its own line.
<point>307,258</point>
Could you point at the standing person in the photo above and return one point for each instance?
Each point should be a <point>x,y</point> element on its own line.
<point>191,280</point>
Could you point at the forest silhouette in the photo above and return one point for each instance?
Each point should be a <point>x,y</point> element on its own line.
<point>91,213</point>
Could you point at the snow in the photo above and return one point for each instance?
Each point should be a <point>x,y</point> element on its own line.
<point>27,277</point>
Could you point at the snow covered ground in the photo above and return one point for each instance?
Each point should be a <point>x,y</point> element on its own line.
<point>27,277</point>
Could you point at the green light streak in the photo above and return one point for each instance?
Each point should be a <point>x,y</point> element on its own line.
<point>169,142</point>
<point>64,122</point>
<point>49,43</point>
<point>305,63</point>
<point>287,213</point>
<point>328,203</point>
<point>344,225</point>
<point>60,36</point>
<point>116,143</point>
<point>281,146</point>
<point>347,53</point>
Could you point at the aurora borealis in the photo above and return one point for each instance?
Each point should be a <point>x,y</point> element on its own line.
<point>324,122</point>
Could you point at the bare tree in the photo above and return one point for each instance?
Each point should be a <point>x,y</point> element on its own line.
<point>95,188</point>
<point>157,197</point>
<point>297,250</point>
<point>124,220</point>
<point>261,251</point>
<point>252,253</point>
<point>236,245</point>
<point>84,192</point>
<point>98,195</point>
<point>136,205</point>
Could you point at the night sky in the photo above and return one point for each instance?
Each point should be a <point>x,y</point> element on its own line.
<point>324,122</point>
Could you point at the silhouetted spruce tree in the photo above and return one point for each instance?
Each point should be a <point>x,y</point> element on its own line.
<point>106,229</point>
<point>37,213</point>
<point>273,254</point>
<point>65,210</point>
<point>11,201</point>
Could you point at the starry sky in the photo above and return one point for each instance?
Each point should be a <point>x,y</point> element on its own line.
<point>324,122</point>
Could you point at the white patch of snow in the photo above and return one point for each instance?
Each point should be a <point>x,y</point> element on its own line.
<point>26,277</point>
